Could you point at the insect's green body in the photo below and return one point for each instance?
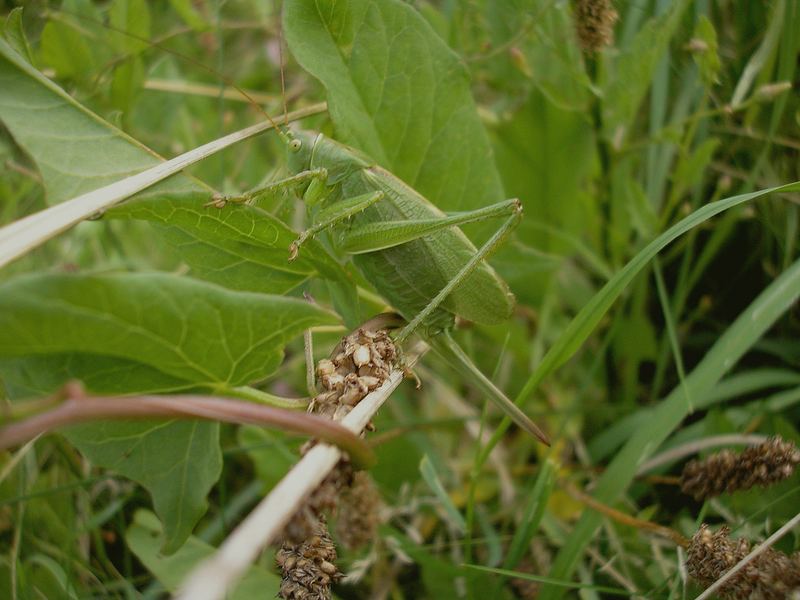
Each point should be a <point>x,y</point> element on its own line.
<point>414,254</point>
<point>412,273</point>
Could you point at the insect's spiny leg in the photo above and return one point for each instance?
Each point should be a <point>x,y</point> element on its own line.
<point>220,200</point>
<point>489,247</point>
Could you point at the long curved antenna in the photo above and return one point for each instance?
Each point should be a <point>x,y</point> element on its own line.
<point>224,78</point>
<point>283,79</point>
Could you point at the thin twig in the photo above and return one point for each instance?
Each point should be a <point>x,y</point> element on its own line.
<point>80,409</point>
<point>213,578</point>
<point>750,557</point>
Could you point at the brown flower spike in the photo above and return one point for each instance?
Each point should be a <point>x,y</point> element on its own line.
<point>726,471</point>
<point>594,23</point>
<point>771,575</point>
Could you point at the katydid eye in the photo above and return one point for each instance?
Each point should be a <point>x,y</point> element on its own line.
<point>295,145</point>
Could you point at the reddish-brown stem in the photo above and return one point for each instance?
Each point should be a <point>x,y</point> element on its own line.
<point>625,519</point>
<point>77,408</point>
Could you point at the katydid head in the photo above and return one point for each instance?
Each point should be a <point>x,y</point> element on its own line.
<point>299,149</point>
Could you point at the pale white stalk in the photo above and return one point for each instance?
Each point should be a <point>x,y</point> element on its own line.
<point>22,236</point>
<point>215,577</point>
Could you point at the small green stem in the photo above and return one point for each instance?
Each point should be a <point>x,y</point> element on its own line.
<point>246,392</point>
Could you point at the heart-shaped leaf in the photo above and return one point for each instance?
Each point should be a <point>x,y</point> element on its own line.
<point>397,92</point>
<point>187,330</point>
<point>148,332</point>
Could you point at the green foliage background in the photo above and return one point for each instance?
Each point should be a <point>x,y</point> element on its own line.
<point>668,141</point>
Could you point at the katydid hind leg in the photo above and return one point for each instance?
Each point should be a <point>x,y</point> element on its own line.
<point>451,352</point>
<point>373,237</point>
<point>490,246</point>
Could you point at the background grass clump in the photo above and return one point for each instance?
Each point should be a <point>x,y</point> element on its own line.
<point>655,270</point>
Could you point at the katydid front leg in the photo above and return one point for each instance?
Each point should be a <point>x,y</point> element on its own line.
<point>220,200</point>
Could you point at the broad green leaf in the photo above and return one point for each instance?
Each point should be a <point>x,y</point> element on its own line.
<point>138,333</point>
<point>631,74</point>
<point>176,461</point>
<point>75,150</point>
<point>745,331</point>
<point>239,246</point>
<point>31,376</point>
<point>545,156</point>
<point>78,152</point>
<point>188,330</point>
<point>144,538</point>
<point>398,93</point>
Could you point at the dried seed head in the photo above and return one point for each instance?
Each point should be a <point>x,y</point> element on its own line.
<point>308,556</point>
<point>726,471</point>
<point>308,567</point>
<point>594,22</point>
<point>362,365</point>
<point>358,512</point>
<point>772,575</point>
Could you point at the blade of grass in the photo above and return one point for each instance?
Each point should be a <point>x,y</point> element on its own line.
<point>536,502</point>
<point>731,346</point>
<point>552,581</point>
<point>587,319</point>
<point>669,321</point>
<point>739,384</point>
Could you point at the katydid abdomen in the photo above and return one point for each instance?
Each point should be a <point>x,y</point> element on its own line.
<point>411,274</point>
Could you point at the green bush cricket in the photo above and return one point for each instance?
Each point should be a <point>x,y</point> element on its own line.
<point>414,254</point>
